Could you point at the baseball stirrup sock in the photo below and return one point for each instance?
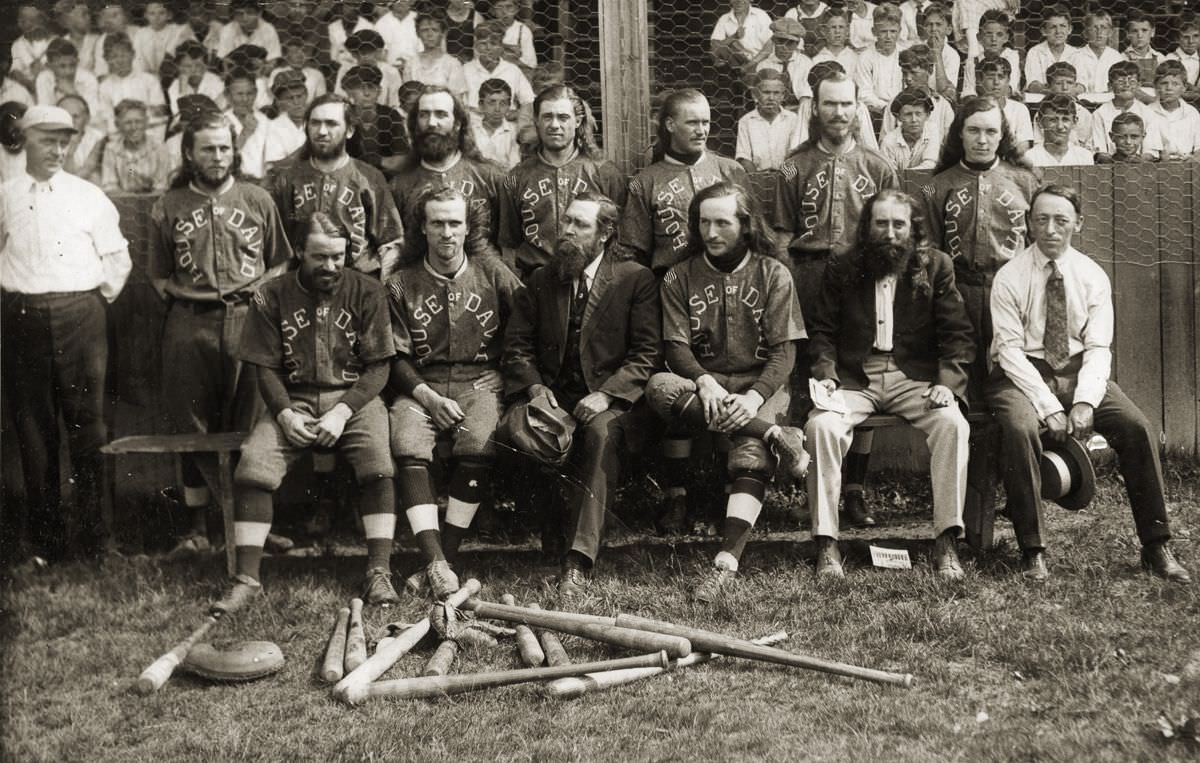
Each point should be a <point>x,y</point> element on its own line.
<point>469,486</point>
<point>676,454</point>
<point>378,502</point>
<point>741,512</point>
<point>253,513</point>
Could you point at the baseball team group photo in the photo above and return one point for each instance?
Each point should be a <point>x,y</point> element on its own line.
<point>630,379</point>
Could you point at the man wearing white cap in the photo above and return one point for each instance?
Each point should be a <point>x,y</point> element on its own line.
<point>62,257</point>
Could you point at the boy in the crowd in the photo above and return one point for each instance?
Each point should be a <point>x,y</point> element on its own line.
<point>878,77</point>
<point>285,133</point>
<point>916,142</point>
<point>1056,27</point>
<point>1178,122</point>
<point>408,95</point>
<point>191,61</point>
<point>298,56</point>
<point>916,67</point>
<point>835,29</point>
<point>518,37</point>
<point>62,76</point>
<point>935,26</point>
<point>380,139</point>
<point>1062,81</point>
<point>764,134</point>
<point>741,36</point>
<point>488,64</point>
<point>29,50</point>
<point>74,19</point>
<point>113,19</point>
<point>967,20</point>
<point>809,13</point>
<point>133,162</point>
<point>367,47</point>
<point>253,59</point>
<point>155,42</point>
<point>995,30</point>
<point>124,83</point>
<point>862,24</point>
<point>1123,82</point>
<point>1139,31</point>
<point>1056,121</point>
<point>495,136</point>
<point>1127,135</point>
<point>787,35</point>
<point>993,83</point>
<point>248,28</point>
<point>241,94</point>
<point>1188,54</point>
<point>86,148</point>
<point>1093,60</point>
<point>11,90</point>
<point>398,27</point>
<point>433,65</point>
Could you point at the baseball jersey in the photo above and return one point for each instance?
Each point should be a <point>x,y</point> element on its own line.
<point>452,327</point>
<point>319,340</point>
<point>210,247</point>
<point>355,194</point>
<point>819,196</point>
<point>978,218</point>
<point>655,218</point>
<point>730,320</point>
<point>478,181</point>
<point>535,194</point>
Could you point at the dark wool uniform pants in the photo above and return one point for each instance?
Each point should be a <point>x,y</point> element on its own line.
<point>53,360</point>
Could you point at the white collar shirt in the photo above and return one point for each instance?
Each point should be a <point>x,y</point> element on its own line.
<point>1076,156</point>
<point>885,299</point>
<point>754,33</point>
<point>1091,70</point>
<point>589,275</point>
<point>765,143</point>
<point>923,155</point>
<point>1179,129</point>
<point>1191,64</point>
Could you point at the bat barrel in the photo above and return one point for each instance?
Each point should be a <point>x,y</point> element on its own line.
<point>551,646</point>
<point>443,657</point>
<point>588,627</point>
<point>332,668</point>
<point>527,643</point>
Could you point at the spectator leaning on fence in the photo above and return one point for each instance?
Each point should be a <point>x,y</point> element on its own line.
<point>62,257</point>
<point>1057,121</point>
<point>1127,134</point>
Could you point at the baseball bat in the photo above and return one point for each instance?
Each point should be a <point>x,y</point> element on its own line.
<point>356,639</point>
<point>555,654</point>
<point>720,643</point>
<point>443,657</point>
<point>577,686</point>
<point>154,676</point>
<point>352,689</point>
<point>335,650</point>
<point>437,686</point>
<point>579,625</point>
<point>520,612</point>
<point>527,643</point>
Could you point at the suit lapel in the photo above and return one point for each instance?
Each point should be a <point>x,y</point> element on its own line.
<point>596,296</point>
<point>562,303</point>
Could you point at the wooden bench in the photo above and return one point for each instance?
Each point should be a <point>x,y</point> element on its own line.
<point>979,513</point>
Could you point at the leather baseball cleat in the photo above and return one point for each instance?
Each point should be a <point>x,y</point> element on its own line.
<point>378,589</point>
<point>244,590</point>
<point>1157,558</point>
<point>573,583</point>
<point>788,446</point>
<point>829,559</point>
<point>442,580</point>
<point>716,579</point>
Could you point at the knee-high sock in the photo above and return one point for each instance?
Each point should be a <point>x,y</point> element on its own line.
<point>854,467</point>
<point>470,484</point>
<point>378,500</point>
<point>420,506</point>
<point>741,512</point>
<point>677,451</point>
<point>253,511</point>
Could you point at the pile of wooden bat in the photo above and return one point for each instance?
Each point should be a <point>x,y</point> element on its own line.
<point>664,646</point>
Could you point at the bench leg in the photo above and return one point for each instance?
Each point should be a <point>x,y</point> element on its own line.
<point>979,513</point>
<point>225,498</point>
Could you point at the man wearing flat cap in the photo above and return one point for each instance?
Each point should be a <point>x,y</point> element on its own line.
<point>62,259</point>
<point>787,36</point>
<point>285,133</point>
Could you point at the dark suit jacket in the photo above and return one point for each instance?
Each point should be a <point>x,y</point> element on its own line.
<point>932,339</point>
<point>620,341</point>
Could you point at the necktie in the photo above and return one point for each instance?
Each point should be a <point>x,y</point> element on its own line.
<point>1057,346</point>
<point>581,295</point>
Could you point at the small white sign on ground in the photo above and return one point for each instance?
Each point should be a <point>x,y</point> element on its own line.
<point>890,558</point>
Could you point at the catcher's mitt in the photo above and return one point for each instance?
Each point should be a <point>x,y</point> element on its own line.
<point>243,661</point>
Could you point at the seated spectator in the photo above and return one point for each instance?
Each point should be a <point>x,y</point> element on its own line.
<point>488,64</point>
<point>248,28</point>
<point>1093,60</point>
<point>29,50</point>
<point>1139,31</point>
<point>12,142</point>
<point>74,20</point>
<point>10,89</point>
<point>62,76</point>
<point>739,36</point>
<point>1123,82</point>
<point>916,68</point>
<point>1127,135</point>
<point>285,133</point>
<point>518,37</point>
<point>191,61</point>
<point>764,134</point>
<point>112,20</point>
<point>807,11</point>
<point>862,24</point>
<point>967,21</point>
<point>495,136</point>
<point>786,36</point>
<point>434,66</point>
<point>1062,81</point>
<point>835,31</point>
<point>252,59</point>
<point>935,26</point>
<point>1188,54</point>
<point>878,76</point>
<point>1056,27</point>
<point>916,142</point>
<point>241,94</point>
<point>1056,118</point>
<point>346,21</point>
<point>1178,122</point>
<point>398,27</point>
<point>367,47</point>
<point>87,144</point>
<point>155,42</point>
<point>995,30</point>
<point>124,83</point>
<point>380,140</point>
<point>407,96</point>
<point>993,84</point>
<point>190,107</point>
<point>298,54</point>
<point>133,161</point>
<point>864,135</point>
<point>460,19</point>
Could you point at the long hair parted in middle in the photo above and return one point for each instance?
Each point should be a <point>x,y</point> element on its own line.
<point>585,125</point>
<point>952,148</point>
<point>755,233</point>
<point>462,119</point>
<point>919,232</point>
<point>208,120</point>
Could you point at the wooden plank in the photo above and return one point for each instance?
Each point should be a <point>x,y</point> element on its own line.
<point>215,442</point>
<point>1196,291</point>
<point>1136,291</point>
<point>1176,244</point>
<point>625,81</point>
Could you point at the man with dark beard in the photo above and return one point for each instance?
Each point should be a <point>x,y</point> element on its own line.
<point>214,240</point>
<point>319,342</point>
<point>444,155</point>
<point>448,311</point>
<point>566,162</point>
<point>819,194</point>
<point>890,335</point>
<point>586,336</point>
<point>322,177</point>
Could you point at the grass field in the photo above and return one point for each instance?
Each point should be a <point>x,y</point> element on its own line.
<point>1078,669</point>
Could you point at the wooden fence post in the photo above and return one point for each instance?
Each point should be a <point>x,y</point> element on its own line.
<point>625,81</point>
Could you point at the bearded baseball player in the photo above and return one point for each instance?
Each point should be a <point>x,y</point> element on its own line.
<point>448,311</point>
<point>324,178</point>
<point>566,163</point>
<point>214,241</point>
<point>320,343</point>
<point>444,156</point>
<point>586,333</point>
<point>890,333</point>
<point>730,323</point>
<point>819,195</point>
